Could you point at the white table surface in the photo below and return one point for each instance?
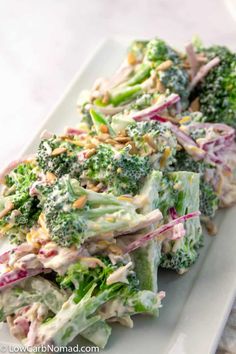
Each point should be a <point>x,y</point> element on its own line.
<point>43,43</point>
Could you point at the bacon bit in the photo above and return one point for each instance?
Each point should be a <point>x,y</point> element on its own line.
<point>5,211</point>
<point>195,105</point>
<point>103,129</point>
<point>58,151</point>
<point>131,58</point>
<point>80,202</point>
<point>150,141</point>
<point>50,178</point>
<point>90,153</point>
<point>165,65</point>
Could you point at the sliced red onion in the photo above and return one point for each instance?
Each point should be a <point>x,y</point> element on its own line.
<point>203,71</point>
<point>150,112</point>
<point>188,143</point>
<point>4,257</point>
<point>73,131</point>
<point>164,228</point>
<point>15,276</point>
<point>173,213</point>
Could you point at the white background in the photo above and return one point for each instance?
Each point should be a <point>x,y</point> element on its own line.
<point>43,43</point>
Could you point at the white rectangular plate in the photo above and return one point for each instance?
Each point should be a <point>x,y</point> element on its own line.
<point>197,303</point>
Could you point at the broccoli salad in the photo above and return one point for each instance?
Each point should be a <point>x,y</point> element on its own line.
<point>98,209</point>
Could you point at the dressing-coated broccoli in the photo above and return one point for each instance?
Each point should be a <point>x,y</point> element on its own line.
<point>217,92</point>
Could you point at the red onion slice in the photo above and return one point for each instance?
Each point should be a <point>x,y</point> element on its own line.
<point>164,228</point>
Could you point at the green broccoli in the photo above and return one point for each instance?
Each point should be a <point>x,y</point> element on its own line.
<point>74,214</point>
<point>96,167</point>
<point>92,289</point>
<point>209,200</point>
<point>180,254</point>
<point>58,162</point>
<point>119,171</point>
<point>26,207</point>
<point>176,80</point>
<point>158,51</point>
<point>154,139</point>
<point>127,173</point>
<point>217,92</point>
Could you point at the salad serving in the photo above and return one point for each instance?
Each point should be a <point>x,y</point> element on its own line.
<point>98,209</point>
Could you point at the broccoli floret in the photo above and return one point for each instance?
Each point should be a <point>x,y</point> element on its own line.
<point>119,171</point>
<point>143,101</point>
<point>127,173</point>
<point>26,207</point>
<point>159,51</point>
<point>217,92</point>
<point>180,254</point>
<point>74,214</point>
<point>154,139</point>
<point>181,259</point>
<point>209,200</point>
<point>60,163</point>
<point>96,167</point>
<point>176,80</point>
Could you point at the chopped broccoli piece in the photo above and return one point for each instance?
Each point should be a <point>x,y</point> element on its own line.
<point>127,173</point>
<point>59,164</point>
<point>159,51</point>
<point>217,92</point>
<point>209,200</point>
<point>180,254</point>
<point>26,207</point>
<point>74,214</point>
<point>120,172</point>
<point>90,291</point>
<point>142,102</point>
<point>96,167</point>
<point>176,80</point>
<point>154,139</point>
